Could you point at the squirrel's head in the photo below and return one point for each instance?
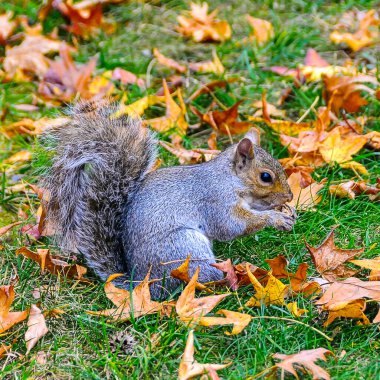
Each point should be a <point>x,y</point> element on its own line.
<point>261,173</point>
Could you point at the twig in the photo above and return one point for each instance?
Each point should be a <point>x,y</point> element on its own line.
<point>308,110</point>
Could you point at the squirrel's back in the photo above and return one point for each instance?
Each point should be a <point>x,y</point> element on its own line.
<point>97,163</point>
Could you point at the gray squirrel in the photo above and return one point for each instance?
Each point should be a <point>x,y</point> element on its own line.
<point>106,201</point>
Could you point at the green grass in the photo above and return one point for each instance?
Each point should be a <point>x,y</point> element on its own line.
<point>78,344</point>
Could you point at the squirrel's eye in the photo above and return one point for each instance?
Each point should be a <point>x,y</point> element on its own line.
<point>266,177</point>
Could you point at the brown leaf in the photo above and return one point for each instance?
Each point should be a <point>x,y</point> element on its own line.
<point>299,283</point>
<point>7,25</point>
<point>239,320</point>
<point>351,309</point>
<point>329,260</point>
<point>306,360</point>
<point>53,264</point>
<point>349,290</point>
<point>191,309</point>
<point>262,30</point>
<point>189,367</point>
<point>126,77</point>
<point>36,328</point>
<point>185,156</point>
<point>168,62</point>
<point>4,349</point>
<point>182,273</point>
<point>201,26</point>
<point>278,267</point>
<point>366,34</point>
<point>5,229</point>
<point>351,189</point>
<point>136,304</point>
<point>8,318</point>
<point>210,87</point>
<point>231,277</point>
<point>242,270</point>
<point>215,66</point>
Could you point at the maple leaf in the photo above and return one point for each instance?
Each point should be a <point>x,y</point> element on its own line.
<point>7,25</point>
<point>9,318</point>
<point>262,30</point>
<point>345,91</point>
<point>191,309</point>
<point>304,198</point>
<point>210,87</point>
<point>349,290</point>
<point>189,367</point>
<point>203,27</point>
<point>278,267</point>
<point>351,189</point>
<point>174,116</point>
<point>272,294</point>
<point>329,259</point>
<point>168,62</point>
<point>5,229</point>
<point>299,283</point>
<point>293,308</point>
<point>182,273</point>
<point>239,320</point>
<point>243,275</point>
<point>304,360</point>
<point>367,33</point>
<point>138,107</point>
<point>54,265</point>
<point>373,264</point>
<point>215,66</point>
<point>126,77</point>
<point>136,303</point>
<point>231,277</point>
<point>351,309</point>
<point>36,328</point>
<point>28,58</point>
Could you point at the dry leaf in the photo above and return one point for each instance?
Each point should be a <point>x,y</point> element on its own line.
<point>329,260</point>
<point>278,267</point>
<point>168,62</point>
<point>126,77</point>
<point>241,271</point>
<point>262,30</point>
<point>53,264</point>
<point>182,273</point>
<point>304,198</point>
<point>231,278</point>
<point>293,308</point>
<point>4,349</point>
<point>36,328</point>
<point>138,107</point>
<point>299,283</point>
<point>5,229</point>
<point>7,25</point>
<point>174,117</point>
<point>351,309</point>
<point>373,264</point>
<point>19,157</point>
<point>272,294</point>
<point>351,189</point>
<point>367,33</point>
<point>215,66</point>
<point>9,318</point>
<point>191,309</point>
<point>239,320</point>
<point>189,367</point>
<point>136,304</point>
<point>201,26</point>
<point>210,87</point>
<point>349,290</point>
<point>304,360</point>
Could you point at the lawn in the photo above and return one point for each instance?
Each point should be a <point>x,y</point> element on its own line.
<point>81,346</point>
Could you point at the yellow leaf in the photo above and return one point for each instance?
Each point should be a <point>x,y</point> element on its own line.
<point>262,29</point>
<point>373,264</point>
<point>215,66</point>
<point>293,308</point>
<point>138,107</point>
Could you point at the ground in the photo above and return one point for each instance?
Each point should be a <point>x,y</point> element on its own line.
<point>78,345</point>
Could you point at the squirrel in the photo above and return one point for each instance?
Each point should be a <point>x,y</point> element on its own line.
<point>108,203</point>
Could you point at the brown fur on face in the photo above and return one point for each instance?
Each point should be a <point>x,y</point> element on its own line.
<point>250,161</point>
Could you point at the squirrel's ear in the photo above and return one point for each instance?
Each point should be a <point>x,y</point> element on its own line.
<point>244,154</point>
<point>254,135</point>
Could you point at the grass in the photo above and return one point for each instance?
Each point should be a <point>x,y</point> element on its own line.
<point>78,345</point>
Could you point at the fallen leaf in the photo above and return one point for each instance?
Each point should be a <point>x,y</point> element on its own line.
<point>215,66</point>
<point>367,33</point>
<point>182,273</point>
<point>201,26</point>
<point>126,77</point>
<point>373,264</point>
<point>304,198</point>
<point>189,367</point>
<point>210,87</point>
<point>139,106</point>
<point>128,304</point>
<point>4,350</point>
<point>7,25</point>
<point>351,309</point>
<point>231,278</point>
<point>293,308</point>
<point>8,318</point>
<point>313,59</point>
<point>239,320</point>
<point>262,30</point>
<point>19,157</point>
<point>349,290</point>
<point>5,229</point>
<point>168,62</point>
<point>278,267</point>
<point>191,309</point>
<point>242,269</point>
<point>351,189</point>
<point>53,264</point>
<point>304,360</point>
<point>299,283</point>
<point>329,260</point>
<point>272,294</point>
<point>36,328</point>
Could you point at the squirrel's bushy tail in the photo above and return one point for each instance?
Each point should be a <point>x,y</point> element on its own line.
<point>97,162</point>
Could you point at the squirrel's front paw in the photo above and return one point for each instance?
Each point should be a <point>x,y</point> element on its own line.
<point>282,221</point>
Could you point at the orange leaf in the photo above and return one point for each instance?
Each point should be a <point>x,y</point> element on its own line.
<point>215,66</point>
<point>231,277</point>
<point>262,29</point>
<point>5,229</point>
<point>36,328</point>
<point>168,62</point>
